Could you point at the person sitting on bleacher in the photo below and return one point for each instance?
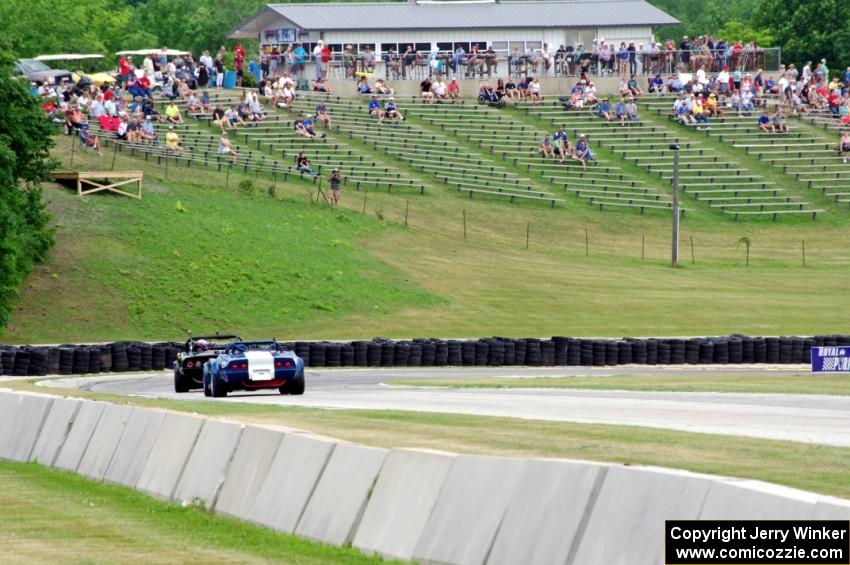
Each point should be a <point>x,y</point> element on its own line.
<point>634,88</point>
<point>319,85</point>
<point>698,110</point>
<point>439,89</point>
<point>382,88</point>
<point>134,130</point>
<point>172,113</point>
<point>232,117</point>
<point>620,111</point>
<point>302,163</point>
<point>604,110</point>
<point>363,86</point>
<point>747,104</point>
<point>656,85</point>
<point>582,153</point>
<point>534,90</point>
<point>522,88</point>
<point>172,142</point>
<point>675,85</point>
<point>123,127</point>
<point>546,148</point>
<point>193,104</point>
<point>219,118</point>
<point>322,115</point>
<point>631,110</point>
<point>425,91</point>
<point>391,111</point>
<point>510,89</point>
<point>711,105</point>
<point>224,147</point>
<point>779,123</point>
<point>683,111</point>
<point>563,148</point>
<point>375,108</point>
<point>147,132</point>
<point>844,146</point>
<point>257,113</point>
<point>453,90</point>
<point>204,102</point>
<point>589,95</point>
<point>301,129</point>
<point>308,126</point>
<point>93,141</point>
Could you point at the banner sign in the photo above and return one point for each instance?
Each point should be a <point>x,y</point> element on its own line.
<point>831,359</point>
<point>282,35</point>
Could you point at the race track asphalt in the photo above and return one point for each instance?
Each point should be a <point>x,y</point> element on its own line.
<point>802,418</point>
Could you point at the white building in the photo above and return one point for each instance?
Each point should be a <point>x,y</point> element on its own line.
<point>504,26</point>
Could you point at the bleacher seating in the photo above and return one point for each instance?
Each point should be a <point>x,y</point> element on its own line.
<point>723,183</point>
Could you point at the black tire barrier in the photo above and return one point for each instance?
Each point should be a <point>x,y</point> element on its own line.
<point>429,352</point>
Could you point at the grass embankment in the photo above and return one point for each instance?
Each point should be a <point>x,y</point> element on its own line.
<point>284,267</point>
<point>51,516</point>
<point>817,468</point>
<point>778,384</point>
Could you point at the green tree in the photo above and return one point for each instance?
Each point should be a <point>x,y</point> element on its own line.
<point>808,30</point>
<point>24,160</point>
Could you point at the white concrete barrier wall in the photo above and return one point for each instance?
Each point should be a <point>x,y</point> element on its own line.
<point>430,506</point>
<point>104,441</point>
<point>207,466</point>
<point>135,445</point>
<point>290,481</point>
<point>79,436</point>
<point>171,449</point>
<point>337,504</point>
<point>475,494</point>
<point>547,512</point>
<point>247,471</point>
<point>56,427</point>
<point>22,431</point>
<point>402,501</point>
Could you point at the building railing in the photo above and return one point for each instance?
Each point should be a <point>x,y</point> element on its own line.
<point>569,64</point>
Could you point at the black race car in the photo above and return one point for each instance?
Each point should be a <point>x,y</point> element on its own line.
<point>189,366</point>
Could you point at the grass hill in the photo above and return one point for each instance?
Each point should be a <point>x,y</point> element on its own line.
<point>200,254</point>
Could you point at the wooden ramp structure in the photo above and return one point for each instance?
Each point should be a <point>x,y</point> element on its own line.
<point>89,182</point>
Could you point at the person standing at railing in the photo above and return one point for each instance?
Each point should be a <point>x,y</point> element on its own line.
<point>546,55</point>
<point>632,50</point>
<point>408,60</point>
<point>368,58</point>
<point>349,61</point>
<point>457,60</point>
<point>317,56</point>
<point>623,59</point>
<point>685,52</point>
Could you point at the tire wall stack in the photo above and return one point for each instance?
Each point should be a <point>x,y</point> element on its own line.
<point>432,352</point>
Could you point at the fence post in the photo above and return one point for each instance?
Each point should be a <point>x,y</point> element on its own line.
<point>73,145</point>
<point>693,258</point>
<point>464,223</point>
<point>114,154</point>
<point>406,211</point>
<point>642,246</point>
<point>365,196</point>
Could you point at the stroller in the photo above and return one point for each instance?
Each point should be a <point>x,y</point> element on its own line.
<point>488,95</point>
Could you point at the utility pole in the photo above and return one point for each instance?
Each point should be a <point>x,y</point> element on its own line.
<point>675,255</point>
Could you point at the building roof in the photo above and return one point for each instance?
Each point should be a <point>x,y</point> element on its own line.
<point>456,15</point>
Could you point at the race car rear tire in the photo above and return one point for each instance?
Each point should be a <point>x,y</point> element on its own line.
<point>216,389</point>
<point>296,388</point>
<point>207,391</point>
<point>180,384</point>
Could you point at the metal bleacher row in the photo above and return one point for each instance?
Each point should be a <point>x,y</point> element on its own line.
<point>479,150</point>
<point>736,191</point>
